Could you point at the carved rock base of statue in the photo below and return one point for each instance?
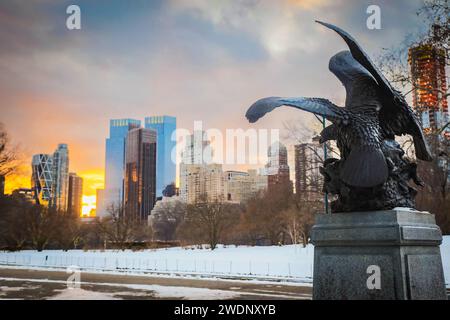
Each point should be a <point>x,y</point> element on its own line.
<point>397,191</point>
<point>391,254</point>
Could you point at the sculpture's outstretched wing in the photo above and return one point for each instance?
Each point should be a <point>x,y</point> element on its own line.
<point>396,116</point>
<point>360,86</point>
<point>360,56</point>
<point>317,106</point>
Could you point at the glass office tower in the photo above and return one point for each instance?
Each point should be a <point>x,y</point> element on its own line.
<point>42,178</point>
<point>114,162</point>
<point>164,126</point>
<point>140,173</point>
<point>60,188</point>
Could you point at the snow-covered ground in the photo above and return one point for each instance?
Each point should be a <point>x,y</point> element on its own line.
<point>283,263</point>
<point>158,292</point>
<point>445,252</point>
<point>291,263</point>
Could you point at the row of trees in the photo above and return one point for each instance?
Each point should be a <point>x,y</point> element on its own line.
<point>27,225</point>
<point>267,219</point>
<point>24,224</point>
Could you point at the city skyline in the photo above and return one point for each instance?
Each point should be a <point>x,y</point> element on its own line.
<point>251,54</point>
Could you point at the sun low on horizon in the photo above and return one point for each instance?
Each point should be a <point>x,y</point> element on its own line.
<point>93,179</point>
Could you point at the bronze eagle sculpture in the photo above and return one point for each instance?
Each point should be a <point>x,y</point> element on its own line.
<point>372,172</point>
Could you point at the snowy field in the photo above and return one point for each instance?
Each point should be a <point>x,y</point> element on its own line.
<point>282,263</point>
<point>291,263</point>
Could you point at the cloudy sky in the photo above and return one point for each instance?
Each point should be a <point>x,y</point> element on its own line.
<point>194,59</point>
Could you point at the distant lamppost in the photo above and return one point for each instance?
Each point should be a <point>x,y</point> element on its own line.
<point>325,156</point>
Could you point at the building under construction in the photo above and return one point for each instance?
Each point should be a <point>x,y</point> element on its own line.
<point>427,63</point>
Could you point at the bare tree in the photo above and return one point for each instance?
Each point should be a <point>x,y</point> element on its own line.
<point>13,222</point>
<point>298,219</point>
<point>68,231</point>
<point>262,219</point>
<point>121,229</point>
<point>248,229</point>
<point>8,154</point>
<point>206,220</point>
<point>41,225</point>
<point>437,12</point>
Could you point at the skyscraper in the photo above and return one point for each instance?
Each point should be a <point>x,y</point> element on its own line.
<point>60,187</point>
<point>114,161</point>
<point>75,194</point>
<point>42,178</point>
<point>164,126</point>
<point>277,169</point>
<point>140,173</point>
<point>427,63</point>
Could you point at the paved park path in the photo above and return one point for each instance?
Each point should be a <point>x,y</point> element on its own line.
<point>43,284</point>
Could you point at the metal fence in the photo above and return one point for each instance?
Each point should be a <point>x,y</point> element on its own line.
<point>293,271</point>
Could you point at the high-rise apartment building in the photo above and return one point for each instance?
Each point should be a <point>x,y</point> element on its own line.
<point>239,187</point>
<point>165,127</point>
<point>258,182</point>
<point>277,169</point>
<point>427,64</point>
<point>60,186</point>
<point>42,178</point>
<point>140,173</point>
<point>114,162</point>
<point>236,186</point>
<point>75,194</point>
<point>197,152</point>
<point>203,180</point>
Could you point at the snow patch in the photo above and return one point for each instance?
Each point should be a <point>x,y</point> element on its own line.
<point>82,294</point>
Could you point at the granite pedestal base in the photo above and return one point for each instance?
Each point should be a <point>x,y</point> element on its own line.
<point>391,254</point>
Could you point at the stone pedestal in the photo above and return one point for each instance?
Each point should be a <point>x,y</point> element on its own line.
<point>391,254</point>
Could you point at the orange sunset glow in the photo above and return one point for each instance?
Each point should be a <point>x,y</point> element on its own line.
<point>16,181</point>
<point>92,180</point>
